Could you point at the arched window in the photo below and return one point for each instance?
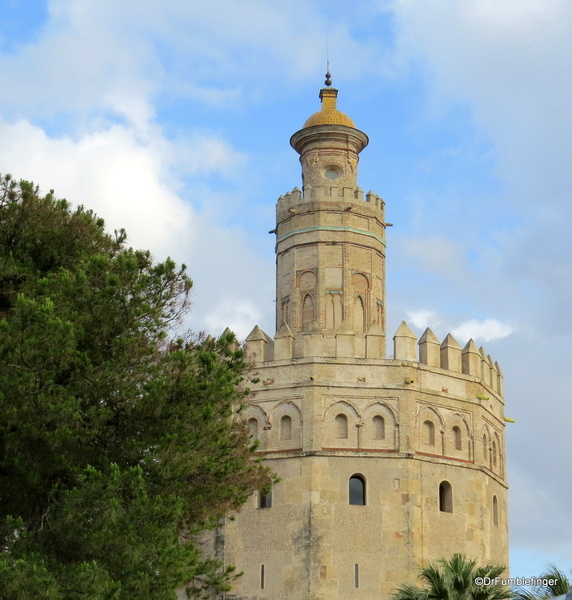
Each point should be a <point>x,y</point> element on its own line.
<point>357,490</point>
<point>333,311</point>
<point>379,428</point>
<point>262,582</point>
<point>356,575</point>
<point>359,315</point>
<point>485,447</point>
<point>338,310</point>
<point>457,438</point>
<point>307,311</point>
<point>265,499</point>
<point>342,425</point>
<point>495,511</point>
<point>286,311</point>
<point>329,311</point>
<point>379,306</point>
<point>307,281</point>
<point>494,453</point>
<point>286,428</point>
<point>253,427</point>
<point>445,497</point>
<point>429,433</point>
<point>360,283</point>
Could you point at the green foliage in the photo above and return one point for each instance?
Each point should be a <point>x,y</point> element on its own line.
<point>559,586</point>
<point>454,579</point>
<point>117,445</point>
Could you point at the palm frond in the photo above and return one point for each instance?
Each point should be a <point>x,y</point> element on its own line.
<point>410,592</point>
<point>562,584</point>
<point>454,579</point>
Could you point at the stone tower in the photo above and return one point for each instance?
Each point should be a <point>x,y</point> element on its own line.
<point>385,463</point>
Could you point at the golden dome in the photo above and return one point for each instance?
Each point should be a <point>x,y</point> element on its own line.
<point>329,115</point>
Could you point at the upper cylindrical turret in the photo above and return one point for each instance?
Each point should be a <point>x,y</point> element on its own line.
<point>330,242</point>
<point>329,145</point>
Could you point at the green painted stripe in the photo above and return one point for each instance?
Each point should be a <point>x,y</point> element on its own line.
<point>324,228</point>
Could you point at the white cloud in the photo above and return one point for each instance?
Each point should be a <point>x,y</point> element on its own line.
<point>486,330</point>
<point>238,316</point>
<point>233,280</point>
<point>507,64</point>
<point>509,60</point>
<point>132,181</point>
<point>435,255</point>
<point>423,319</point>
<point>122,178</point>
<point>84,58</point>
<point>118,57</point>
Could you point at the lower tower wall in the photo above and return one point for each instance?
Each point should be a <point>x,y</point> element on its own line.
<point>406,430</point>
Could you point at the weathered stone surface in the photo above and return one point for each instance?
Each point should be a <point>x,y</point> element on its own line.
<point>283,343</point>
<point>429,349</point>
<point>404,343</point>
<point>311,523</point>
<point>451,354</point>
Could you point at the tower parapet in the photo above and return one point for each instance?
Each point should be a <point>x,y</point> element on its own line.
<point>347,198</point>
<point>428,351</point>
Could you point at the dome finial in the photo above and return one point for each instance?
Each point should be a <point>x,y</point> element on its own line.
<point>328,75</point>
<point>329,114</point>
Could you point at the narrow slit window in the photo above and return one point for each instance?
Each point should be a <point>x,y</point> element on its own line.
<point>495,511</point>
<point>356,575</point>
<point>262,574</point>
<point>357,490</point>
<point>265,499</point>
<point>445,497</point>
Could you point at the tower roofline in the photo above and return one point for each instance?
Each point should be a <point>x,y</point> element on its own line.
<point>328,131</point>
<point>329,113</point>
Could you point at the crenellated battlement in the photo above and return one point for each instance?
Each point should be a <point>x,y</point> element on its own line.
<point>354,196</point>
<point>345,343</point>
<point>447,355</point>
<point>330,191</point>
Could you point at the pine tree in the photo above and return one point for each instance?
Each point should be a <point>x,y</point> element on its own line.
<point>118,445</point>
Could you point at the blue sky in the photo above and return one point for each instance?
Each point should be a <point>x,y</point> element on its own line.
<point>172,120</point>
